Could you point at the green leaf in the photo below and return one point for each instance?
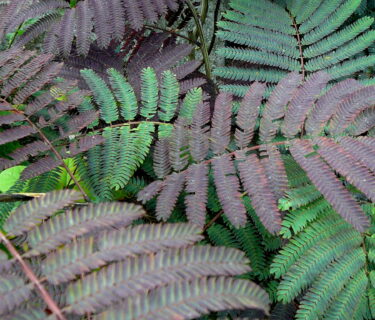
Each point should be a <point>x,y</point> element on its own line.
<point>9,177</point>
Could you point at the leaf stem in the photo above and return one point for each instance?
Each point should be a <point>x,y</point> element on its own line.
<point>300,48</point>
<point>33,278</point>
<point>211,222</point>
<point>53,149</point>
<point>174,32</point>
<point>203,46</point>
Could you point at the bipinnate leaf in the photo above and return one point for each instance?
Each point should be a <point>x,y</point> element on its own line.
<point>16,133</point>
<point>344,163</point>
<point>140,274</point>
<point>40,166</point>
<point>142,239</point>
<point>167,199</point>
<point>302,102</point>
<point>33,212</point>
<point>75,258</point>
<point>169,91</point>
<point>77,222</point>
<point>124,94</point>
<point>162,166</point>
<point>328,184</point>
<point>102,95</point>
<point>221,123</point>
<point>248,114</point>
<point>326,105</point>
<point>351,107</point>
<point>199,132</point>
<point>227,186</point>
<point>178,145</point>
<point>84,27</point>
<point>13,292</point>
<point>362,149</point>
<point>88,253</point>
<point>150,191</point>
<point>197,193</point>
<point>10,118</point>
<point>276,105</point>
<point>43,78</point>
<point>25,73</point>
<point>275,170</point>
<point>256,184</point>
<point>149,93</point>
<point>198,297</point>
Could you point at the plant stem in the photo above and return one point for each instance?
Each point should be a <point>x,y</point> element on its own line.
<point>203,46</point>
<point>14,36</point>
<point>300,48</point>
<point>174,32</point>
<point>216,17</point>
<point>33,278</point>
<point>211,222</point>
<point>53,149</point>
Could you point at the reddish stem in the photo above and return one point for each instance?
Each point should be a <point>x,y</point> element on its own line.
<point>33,278</point>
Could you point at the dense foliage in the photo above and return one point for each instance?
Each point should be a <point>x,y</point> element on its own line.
<point>180,159</point>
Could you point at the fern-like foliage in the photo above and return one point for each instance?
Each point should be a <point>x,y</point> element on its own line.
<point>321,239</point>
<point>162,53</point>
<point>314,126</point>
<point>140,50</point>
<point>133,125</point>
<point>253,239</point>
<point>305,38</point>
<point>327,264</point>
<point>40,121</point>
<point>100,264</point>
<point>88,20</point>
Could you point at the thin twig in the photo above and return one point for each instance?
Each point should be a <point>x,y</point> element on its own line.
<point>211,222</point>
<point>33,278</point>
<point>53,149</point>
<point>174,32</point>
<point>14,36</point>
<point>203,17</point>
<point>216,17</point>
<point>300,48</point>
<point>203,47</point>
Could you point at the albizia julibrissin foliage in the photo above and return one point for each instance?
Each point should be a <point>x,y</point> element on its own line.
<point>95,261</point>
<point>321,131</point>
<point>108,20</point>
<point>43,119</point>
<point>307,36</point>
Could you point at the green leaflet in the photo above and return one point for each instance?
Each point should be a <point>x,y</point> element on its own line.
<point>124,94</point>
<point>270,46</point>
<point>149,93</point>
<point>191,100</point>
<point>102,95</point>
<point>134,148</point>
<point>169,91</point>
